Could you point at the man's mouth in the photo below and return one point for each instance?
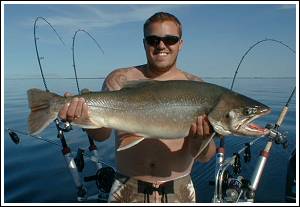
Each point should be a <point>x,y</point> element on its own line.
<point>161,54</point>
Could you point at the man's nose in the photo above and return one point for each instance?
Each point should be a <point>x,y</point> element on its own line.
<point>161,45</point>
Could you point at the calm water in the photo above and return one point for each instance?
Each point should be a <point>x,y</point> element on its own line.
<point>35,171</point>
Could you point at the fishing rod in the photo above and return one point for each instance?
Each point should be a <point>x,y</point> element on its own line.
<point>74,164</point>
<point>220,152</point>
<point>14,135</point>
<point>36,48</point>
<point>275,136</point>
<point>61,127</point>
<point>251,47</point>
<point>73,52</point>
<point>105,174</point>
<point>230,189</point>
<point>222,179</point>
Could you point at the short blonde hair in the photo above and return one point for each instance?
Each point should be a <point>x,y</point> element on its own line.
<point>161,17</point>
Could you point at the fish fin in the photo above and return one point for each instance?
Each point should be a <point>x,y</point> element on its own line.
<point>129,141</point>
<point>39,120</point>
<point>40,116</point>
<point>85,90</point>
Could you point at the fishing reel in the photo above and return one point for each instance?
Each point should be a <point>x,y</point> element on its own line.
<point>104,178</point>
<point>277,136</point>
<point>236,189</point>
<point>63,125</point>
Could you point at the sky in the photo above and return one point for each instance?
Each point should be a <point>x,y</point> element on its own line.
<point>215,36</point>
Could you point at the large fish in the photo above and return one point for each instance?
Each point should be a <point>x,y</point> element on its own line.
<point>156,109</point>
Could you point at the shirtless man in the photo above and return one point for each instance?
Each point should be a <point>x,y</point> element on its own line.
<point>153,170</point>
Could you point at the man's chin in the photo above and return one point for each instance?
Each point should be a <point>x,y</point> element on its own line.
<point>162,67</point>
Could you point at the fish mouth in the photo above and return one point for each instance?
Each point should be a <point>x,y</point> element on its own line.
<point>248,128</point>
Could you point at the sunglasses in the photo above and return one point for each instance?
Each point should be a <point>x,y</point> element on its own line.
<point>167,40</point>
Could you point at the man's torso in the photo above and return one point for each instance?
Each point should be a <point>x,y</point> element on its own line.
<point>152,160</point>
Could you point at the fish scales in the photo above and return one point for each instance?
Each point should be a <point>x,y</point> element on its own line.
<point>156,109</point>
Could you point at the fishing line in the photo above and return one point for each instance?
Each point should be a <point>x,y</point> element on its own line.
<point>12,133</point>
<point>222,141</point>
<point>36,48</point>
<point>267,39</point>
<point>274,135</point>
<point>251,47</point>
<point>73,52</point>
<point>287,103</point>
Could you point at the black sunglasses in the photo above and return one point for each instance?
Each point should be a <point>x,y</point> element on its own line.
<point>167,40</point>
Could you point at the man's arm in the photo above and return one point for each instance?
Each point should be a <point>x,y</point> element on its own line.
<point>191,76</point>
<point>78,108</point>
<point>114,81</point>
<point>200,130</point>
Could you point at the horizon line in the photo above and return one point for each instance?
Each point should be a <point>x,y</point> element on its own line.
<point>204,77</point>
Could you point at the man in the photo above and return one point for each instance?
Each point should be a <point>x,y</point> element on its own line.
<point>153,170</point>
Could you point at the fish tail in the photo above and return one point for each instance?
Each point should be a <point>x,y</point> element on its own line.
<point>40,116</point>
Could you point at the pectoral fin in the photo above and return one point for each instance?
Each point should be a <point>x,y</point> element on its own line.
<point>129,141</point>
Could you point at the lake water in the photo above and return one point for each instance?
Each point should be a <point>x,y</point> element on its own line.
<point>36,172</point>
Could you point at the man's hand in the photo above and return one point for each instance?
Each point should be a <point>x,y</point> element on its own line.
<point>73,110</point>
<point>201,128</point>
<point>78,109</point>
<point>198,135</point>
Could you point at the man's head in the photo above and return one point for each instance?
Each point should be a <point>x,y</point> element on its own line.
<point>162,41</point>
<point>161,17</point>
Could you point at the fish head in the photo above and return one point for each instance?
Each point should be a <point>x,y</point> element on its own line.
<point>233,115</point>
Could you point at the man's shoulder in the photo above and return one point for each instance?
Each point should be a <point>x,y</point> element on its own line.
<point>190,76</point>
<point>118,73</point>
<point>117,78</point>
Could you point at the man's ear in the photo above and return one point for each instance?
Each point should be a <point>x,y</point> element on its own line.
<point>144,43</point>
<point>180,44</point>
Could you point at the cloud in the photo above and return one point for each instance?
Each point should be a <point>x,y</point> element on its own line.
<point>286,6</point>
<point>103,16</point>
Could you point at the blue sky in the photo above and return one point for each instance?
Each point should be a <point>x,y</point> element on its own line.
<point>215,38</point>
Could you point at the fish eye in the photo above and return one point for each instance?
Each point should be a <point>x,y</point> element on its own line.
<point>249,111</point>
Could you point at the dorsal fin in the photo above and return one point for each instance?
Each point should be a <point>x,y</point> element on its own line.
<point>139,83</point>
<point>85,90</point>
